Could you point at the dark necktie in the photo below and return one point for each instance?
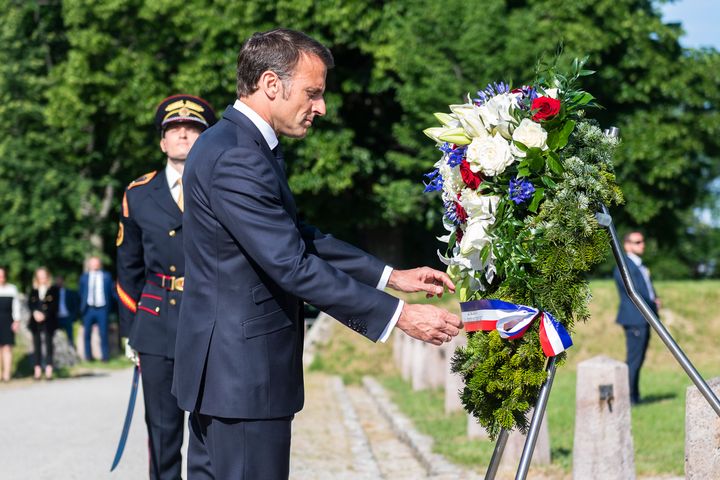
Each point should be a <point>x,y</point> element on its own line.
<point>277,151</point>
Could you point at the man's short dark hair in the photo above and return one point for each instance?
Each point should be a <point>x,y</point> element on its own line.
<point>626,237</point>
<point>277,50</point>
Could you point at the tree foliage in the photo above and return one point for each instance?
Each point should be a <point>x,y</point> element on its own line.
<point>79,81</point>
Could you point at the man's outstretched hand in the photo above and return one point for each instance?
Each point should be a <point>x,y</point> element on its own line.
<point>428,323</point>
<point>423,279</point>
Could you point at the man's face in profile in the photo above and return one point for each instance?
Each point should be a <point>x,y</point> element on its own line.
<point>301,98</point>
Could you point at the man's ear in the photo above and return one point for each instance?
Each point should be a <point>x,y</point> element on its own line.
<point>162,144</point>
<point>270,84</point>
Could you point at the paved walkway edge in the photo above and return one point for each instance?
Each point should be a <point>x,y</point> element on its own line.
<point>364,458</point>
<point>420,444</point>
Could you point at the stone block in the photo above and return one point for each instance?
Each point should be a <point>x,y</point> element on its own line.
<point>603,446</point>
<point>516,443</point>
<point>398,344</point>
<point>475,430</point>
<point>453,382</point>
<point>702,434</point>
<point>428,365</point>
<point>407,356</point>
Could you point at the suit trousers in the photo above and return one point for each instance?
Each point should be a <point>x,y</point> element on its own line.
<point>42,331</point>
<point>636,342</point>
<point>164,419</point>
<point>238,449</point>
<point>92,316</point>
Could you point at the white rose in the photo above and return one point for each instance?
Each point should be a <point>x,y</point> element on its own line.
<point>479,206</point>
<point>489,155</point>
<point>469,117</point>
<point>552,93</point>
<point>476,236</point>
<point>530,134</point>
<point>496,113</point>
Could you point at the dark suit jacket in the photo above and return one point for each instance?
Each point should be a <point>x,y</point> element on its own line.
<point>249,264</point>
<point>72,303</point>
<point>107,289</point>
<point>48,305</point>
<point>151,244</point>
<point>628,313</point>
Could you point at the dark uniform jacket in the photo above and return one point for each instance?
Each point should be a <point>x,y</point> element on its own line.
<point>249,265</point>
<point>628,313</point>
<point>150,265</point>
<point>48,305</point>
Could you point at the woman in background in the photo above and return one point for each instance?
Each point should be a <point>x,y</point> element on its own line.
<point>43,303</point>
<point>9,322</point>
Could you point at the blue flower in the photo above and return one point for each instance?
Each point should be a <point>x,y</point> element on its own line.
<point>451,212</point>
<point>490,91</point>
<point>435,183</point>
<point>521,191</point>
<point>454,155</point>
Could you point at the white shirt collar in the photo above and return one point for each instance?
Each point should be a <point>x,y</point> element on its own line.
<point>635,259</point>
<point>267,132</point>
<point>171,175</point>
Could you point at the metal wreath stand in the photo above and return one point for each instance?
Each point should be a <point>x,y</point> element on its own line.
<point>605,220</point>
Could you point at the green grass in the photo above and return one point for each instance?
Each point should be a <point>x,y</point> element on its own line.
<point>689,312</point>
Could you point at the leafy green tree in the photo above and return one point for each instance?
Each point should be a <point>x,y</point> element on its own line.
<point>79,82</point>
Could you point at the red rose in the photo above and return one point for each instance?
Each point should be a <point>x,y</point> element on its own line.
<point>471,179</point>
<point>458,235</point>
<point>460,212</point>
<point>545,107</point>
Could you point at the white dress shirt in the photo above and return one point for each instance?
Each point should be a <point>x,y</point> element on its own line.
<point>645,273</point>
<point>96,290</point>
<point>172,177</point>
<point>271,138</point>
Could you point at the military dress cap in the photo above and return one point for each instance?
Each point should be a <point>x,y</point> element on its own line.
<point>184,109</point>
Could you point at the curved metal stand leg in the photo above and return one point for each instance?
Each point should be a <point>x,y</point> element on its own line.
<point>605,220</point>
<point>497,455</point>
<point>536,421</point>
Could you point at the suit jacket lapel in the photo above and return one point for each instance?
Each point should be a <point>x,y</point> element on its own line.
<point>162,196</point>
<point>249,128</point>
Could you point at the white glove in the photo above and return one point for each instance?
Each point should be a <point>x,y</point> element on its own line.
<point>131,353</point>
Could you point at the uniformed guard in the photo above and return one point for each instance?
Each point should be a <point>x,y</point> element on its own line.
<point>150,264</point>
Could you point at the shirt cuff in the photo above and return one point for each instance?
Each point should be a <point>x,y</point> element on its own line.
<point>384,278</point>
<point>391,324</point>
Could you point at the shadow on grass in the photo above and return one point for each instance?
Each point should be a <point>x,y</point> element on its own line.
<point>658,397</point>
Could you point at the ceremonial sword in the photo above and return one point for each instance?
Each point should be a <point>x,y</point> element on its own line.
<point>128,418</point>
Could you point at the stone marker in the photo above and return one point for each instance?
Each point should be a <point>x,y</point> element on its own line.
<point>516,443</point>
<point>454,382</point>
<point>702,434</point>
<point>407,357</point>
<point>398,344</point>
<point>428,369</point>
<point>603,447</point>
<point>474,429</point>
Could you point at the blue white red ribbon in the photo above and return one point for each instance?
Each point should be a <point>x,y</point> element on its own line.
<point>512,321</point>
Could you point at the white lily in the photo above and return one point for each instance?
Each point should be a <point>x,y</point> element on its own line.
<point>469,116</point>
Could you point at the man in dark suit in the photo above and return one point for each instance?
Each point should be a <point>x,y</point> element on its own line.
<point>96,303</point>
<point>68,308</point>
<point>151,268</point>
<point>637,330</point>
<point>249,265</point>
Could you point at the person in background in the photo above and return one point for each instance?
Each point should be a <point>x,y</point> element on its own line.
<point>637,330</point>
<point>96,301</point>
<point>150,275</point>
<point>9,322</point>
<point>68,308</point>
<point>43,305</point>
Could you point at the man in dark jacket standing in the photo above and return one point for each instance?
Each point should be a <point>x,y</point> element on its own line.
<point>637,330</point>
<point>97,299</point>
<point>151,267</point>
<point>250,263</point>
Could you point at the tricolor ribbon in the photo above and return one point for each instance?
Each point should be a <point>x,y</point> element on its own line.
<point>512,321</point>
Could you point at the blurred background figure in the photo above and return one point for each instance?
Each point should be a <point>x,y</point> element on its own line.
<point>96,301</point>
<point>68,308</point>
<point>9,322</point>
<point>43,304</point>
<point>637,330</point>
